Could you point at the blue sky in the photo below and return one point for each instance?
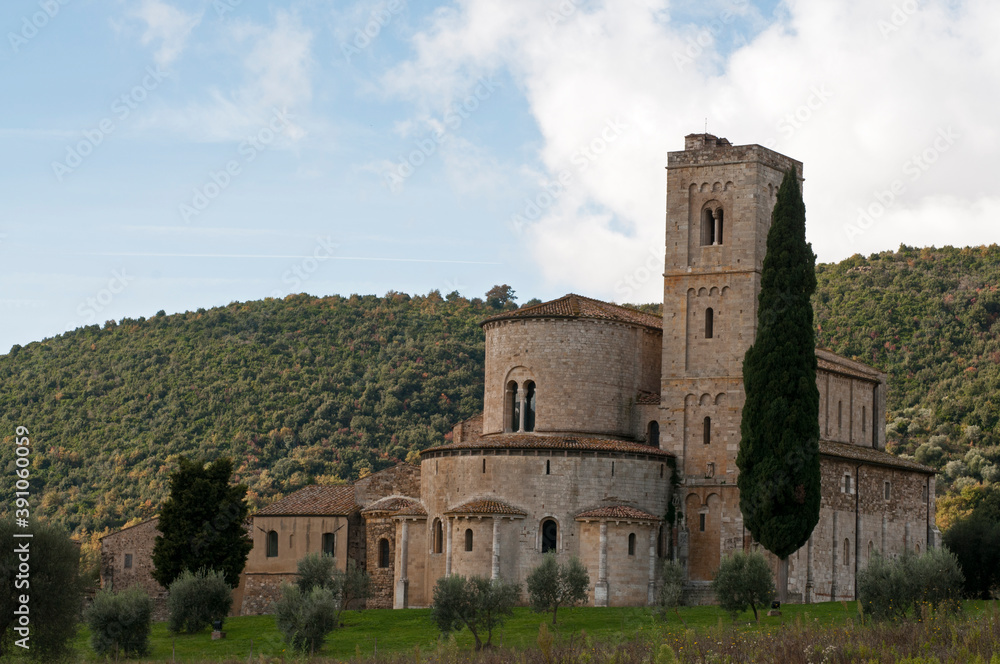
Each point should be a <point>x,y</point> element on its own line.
<point>177,154</point>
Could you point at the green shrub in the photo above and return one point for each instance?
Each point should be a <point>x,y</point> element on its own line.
<point>316,571</point>
<point>306,618</point>
<point>889,589</point>
<point>743,581</point>
<point>197,600</point>
<point>120,623</point>
<point>551,585</point>
<point>480,604</point>
<point>671,593</point>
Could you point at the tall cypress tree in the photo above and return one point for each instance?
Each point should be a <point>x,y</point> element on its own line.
<point>202,523</point>
<point>778,458</point>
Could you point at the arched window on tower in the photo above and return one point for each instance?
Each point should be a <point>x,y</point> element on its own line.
<point>272,544</point>
<point>653,434</point>
<point>529,406</point>
<point>631,544</point>
<point>707,228</point>
<point>468,539</point>
<point>709,323</point>
<point>847,552</point>
<point>718,226</point>
<point>706,432</point>
<point>513,407</point>
<point>550,535</point>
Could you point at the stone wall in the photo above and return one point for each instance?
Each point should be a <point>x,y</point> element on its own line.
<point>382,578</point>
<point>403,479</point>
<point>587,373</point>
<point>557,484</point>
<point>119,573</point>
<point>261,591</point>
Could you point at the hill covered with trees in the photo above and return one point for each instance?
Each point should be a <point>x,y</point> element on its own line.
<point>329,388</point>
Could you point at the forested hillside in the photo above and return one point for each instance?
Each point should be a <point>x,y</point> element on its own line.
<point>928,318</point>
<point>319,389</point>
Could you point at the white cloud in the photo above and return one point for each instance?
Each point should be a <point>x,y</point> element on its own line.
<point>857,90</point>
<point>166,25</point>
<point>275,61</point>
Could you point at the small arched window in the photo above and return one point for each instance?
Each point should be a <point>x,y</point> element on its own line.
<point>272,544</point>
<point>707,228</point>
<point>840,414</point>
<point>529,406</point>
<point>329,544</point>
<point>468,539</point>
<point>847,552</point>
<point>438,535</point>
<point>653,434</point>
<point>383,553</point>
<point>706,432</point>
<point>871,549</point>
<point>864,418</point>
<point>548,467</point>
<point>513,407</point>
<point>631,544</point>
<point>550,535</point>
<point>718,226</point>
<point>709,323</point>
<point>659,543</point>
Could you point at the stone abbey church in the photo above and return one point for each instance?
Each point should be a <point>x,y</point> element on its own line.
<point>610,435</point>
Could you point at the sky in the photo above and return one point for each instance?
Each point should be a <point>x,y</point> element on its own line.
<point>177,154</point>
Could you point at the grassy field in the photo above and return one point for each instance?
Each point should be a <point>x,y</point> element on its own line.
<point>391,631</point>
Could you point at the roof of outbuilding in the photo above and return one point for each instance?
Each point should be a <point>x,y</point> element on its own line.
<point>827,360</point>
<point>394,505</point>
<point>577,306</point>
<point>314,500</point>
<point>486,506</point>
<point>529,441</point>
<point>622,512</point>
<point>871,456</point>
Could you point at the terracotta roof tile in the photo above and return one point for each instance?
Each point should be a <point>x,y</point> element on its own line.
<point>827,359</point>
<point>623,512</point>
<point>413,509</point>
<point>316,499</point>
<point>392,504</point>
<point>869,455</point>
<point>486,506</point>
<point>529,441</point>
<point>577,306</point>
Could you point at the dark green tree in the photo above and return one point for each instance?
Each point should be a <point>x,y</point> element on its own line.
<point>500,296</point>
<point>51,584</point>
<point>778,457</point>
<point>743,581</point>
<point>202,524</point>
<point>975,541</point>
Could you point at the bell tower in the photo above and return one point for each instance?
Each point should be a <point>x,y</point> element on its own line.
<point>719,201</point>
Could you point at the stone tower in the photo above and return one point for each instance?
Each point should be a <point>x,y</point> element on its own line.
<point>719,201</point>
